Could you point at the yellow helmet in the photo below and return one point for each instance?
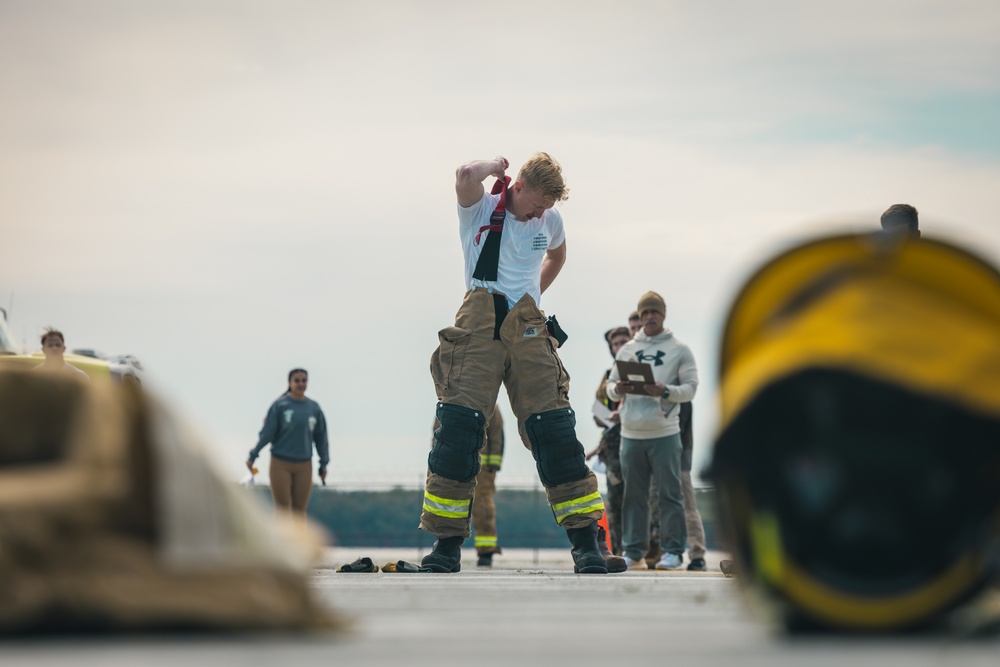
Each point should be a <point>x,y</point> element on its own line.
<point>858,459</point>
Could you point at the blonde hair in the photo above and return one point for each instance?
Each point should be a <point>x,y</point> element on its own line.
<point>541,172</point>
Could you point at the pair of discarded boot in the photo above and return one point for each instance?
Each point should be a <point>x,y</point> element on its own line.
<point>365,564</point>
<point>404,567</point>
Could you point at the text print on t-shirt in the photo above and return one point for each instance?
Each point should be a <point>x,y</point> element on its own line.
<point>540,242</point>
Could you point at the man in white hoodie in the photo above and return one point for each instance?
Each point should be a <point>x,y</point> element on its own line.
<point>650,435</point>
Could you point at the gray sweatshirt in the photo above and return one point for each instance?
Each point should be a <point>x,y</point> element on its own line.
<point>292,426</point>
<point>648,417</point>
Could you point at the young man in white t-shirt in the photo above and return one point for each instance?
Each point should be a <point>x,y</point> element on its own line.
<point>512,254</point>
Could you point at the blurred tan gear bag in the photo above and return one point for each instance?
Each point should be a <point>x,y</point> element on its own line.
<point>113,519</point>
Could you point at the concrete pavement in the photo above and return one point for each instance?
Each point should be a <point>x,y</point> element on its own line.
<point>529,609</point>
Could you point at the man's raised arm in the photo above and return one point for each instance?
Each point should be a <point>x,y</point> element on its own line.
<point>469,178</point>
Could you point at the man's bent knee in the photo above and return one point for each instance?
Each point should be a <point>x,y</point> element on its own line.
<point>558,454</point>
<point>455,453</point>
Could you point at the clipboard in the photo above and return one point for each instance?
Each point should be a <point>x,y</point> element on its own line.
<point>639,374</point>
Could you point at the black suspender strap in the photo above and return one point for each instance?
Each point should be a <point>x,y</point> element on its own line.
<point>489,258</point>
<point>500,311</point>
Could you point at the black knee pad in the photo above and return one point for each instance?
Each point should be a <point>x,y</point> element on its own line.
<point>558,454</point>
<point>455,452</point>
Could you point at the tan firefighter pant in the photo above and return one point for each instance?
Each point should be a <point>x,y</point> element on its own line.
<point>484,512</point>
<point>468,368</point>
<point>484,509</point>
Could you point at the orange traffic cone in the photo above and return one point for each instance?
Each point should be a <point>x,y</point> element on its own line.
<point>603,524</point>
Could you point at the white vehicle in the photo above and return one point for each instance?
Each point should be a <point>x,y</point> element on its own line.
<point>7,345</point>
<point>123,366</point>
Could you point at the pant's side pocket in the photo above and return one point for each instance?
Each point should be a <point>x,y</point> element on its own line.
<point>448,358</point>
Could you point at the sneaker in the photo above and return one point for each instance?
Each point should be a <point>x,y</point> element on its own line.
<point>636,564</point>
<point>697,564</point>
<point>669,561</point>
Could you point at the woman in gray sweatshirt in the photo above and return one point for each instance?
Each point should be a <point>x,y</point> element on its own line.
<point>293,426</point>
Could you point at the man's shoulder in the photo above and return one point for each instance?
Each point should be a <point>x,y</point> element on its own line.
<point>552,217</point>
<point>486,203</point>
<point>679,342</point>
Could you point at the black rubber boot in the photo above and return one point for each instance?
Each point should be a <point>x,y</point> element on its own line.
<point>485,559</point>
<point>587,558</point>
<point>446,556</point>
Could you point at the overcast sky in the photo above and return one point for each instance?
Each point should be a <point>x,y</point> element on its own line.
<point>230,189</point>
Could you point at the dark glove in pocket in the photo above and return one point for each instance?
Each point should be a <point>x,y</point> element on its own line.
<point>556,331</point>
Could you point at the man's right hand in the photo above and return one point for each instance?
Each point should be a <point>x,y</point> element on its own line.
<point>503,164</point>
<point>623,387</point>
<point>469,178</point>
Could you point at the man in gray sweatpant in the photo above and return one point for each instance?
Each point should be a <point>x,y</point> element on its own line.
<point>651,445</point>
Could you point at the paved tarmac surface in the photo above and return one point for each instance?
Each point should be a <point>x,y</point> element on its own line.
<point>529,609</point>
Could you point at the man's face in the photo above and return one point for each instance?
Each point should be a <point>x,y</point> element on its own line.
<point>53,348</point>
<point>529,203</point>
<point>616,344</point>
<point>652,322</point>
<point>634,325</point>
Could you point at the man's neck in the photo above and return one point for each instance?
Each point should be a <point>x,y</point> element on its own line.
<point>512,204</point>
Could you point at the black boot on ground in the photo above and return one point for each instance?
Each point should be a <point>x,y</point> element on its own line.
<point>446,556</point>
<point>587,558</point>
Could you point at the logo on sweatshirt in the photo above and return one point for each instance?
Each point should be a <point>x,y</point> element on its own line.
<point>288,415</point>
<point>657,358</point>
<point>312,424</point>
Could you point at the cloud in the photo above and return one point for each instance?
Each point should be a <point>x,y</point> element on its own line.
<point>230,189</point>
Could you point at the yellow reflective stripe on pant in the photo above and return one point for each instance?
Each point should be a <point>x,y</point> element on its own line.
<point>485,541</point>
<point>446,507</point>
<point>584,505</point>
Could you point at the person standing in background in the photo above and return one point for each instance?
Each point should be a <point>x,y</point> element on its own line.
<point>901,218</point>
<point>54,349</point>
<point>294,425</point>
<point>607,450</point>
<point>484,508</point>
<point>651,443</point>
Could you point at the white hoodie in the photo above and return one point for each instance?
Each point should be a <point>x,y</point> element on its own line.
<point>647,417</point>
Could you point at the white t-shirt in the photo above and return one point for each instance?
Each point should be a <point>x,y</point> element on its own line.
<point>522,248</point>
